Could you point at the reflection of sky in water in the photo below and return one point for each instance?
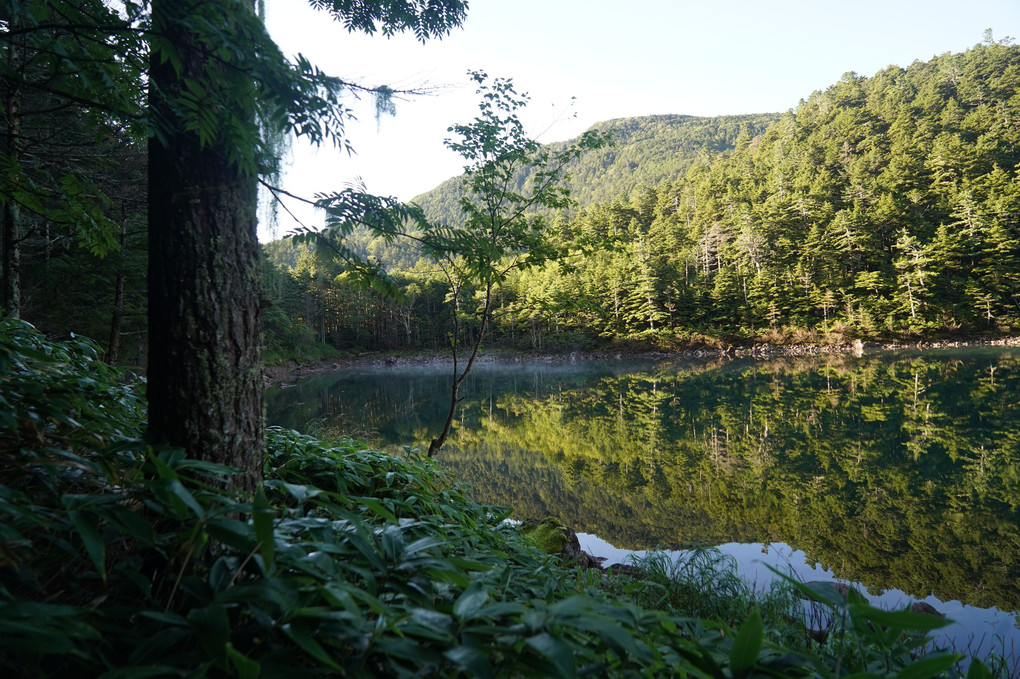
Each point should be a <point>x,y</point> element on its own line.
<point>406,403</point>
<point>976,631</point>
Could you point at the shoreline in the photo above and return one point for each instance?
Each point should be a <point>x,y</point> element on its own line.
<point>276,375</point>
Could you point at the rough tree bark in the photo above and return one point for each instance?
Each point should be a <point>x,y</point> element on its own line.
<point>10,213</point>
<point>205,377</point>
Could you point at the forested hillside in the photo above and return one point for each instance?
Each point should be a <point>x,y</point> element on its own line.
<point>646,151</point>
<point>881,206</point>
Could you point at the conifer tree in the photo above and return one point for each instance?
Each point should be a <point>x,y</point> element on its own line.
<point>214,76</point>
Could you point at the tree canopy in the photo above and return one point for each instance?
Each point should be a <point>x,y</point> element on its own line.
<point>882,206</point>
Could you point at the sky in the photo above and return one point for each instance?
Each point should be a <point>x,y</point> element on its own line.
<point>585,61</point>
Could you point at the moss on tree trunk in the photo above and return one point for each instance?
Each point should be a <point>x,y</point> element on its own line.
<point>205,358</point>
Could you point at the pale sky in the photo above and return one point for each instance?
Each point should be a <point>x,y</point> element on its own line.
<point>615,59</point>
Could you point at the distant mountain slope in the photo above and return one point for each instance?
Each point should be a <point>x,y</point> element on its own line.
<point>883,206</point>
<point>647,151</point>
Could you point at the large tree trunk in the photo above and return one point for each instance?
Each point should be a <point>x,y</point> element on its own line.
<point>205,377</point>
<point>10,260</point>
<point>10,213</point>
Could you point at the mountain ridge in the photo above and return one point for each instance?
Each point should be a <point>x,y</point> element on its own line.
<point>647,150</point>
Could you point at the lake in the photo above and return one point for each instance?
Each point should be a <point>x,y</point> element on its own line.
<point>899,471</point>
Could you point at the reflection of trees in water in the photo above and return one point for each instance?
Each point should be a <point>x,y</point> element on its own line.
<point>896,471</point>
<point>901,473</point>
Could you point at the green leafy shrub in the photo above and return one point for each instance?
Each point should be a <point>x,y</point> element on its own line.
<point>119,559</point>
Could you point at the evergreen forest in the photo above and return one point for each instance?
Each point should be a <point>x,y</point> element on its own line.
<point>153,525</point>
<point>882,207</point>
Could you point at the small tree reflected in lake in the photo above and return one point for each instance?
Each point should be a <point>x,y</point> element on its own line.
<point>899,470</point>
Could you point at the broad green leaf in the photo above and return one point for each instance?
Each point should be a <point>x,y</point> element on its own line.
<point>468,564</point>
<point>612,634</point>
<point>425,543</point>
<point>928,667</point>
<point>233,533</point>
<point>245,666</point>
<point>432,624</point>
<point>824,592</point>
<point>747,644</point>
<point>977,670</point>
<point>133,524</point>
<point>392,540</point>
<point>378,507</point>
<point>367,550</point>
<point>898,620</point>
<point>299,492</point>
<point>221,575</point>
<point>310,646</point>
<point>162,468</point>
<point>212,629</point>
<point>369,600</point>
<point>571,606</point>
<point>558,654</point>
<point>92,538</point>
<point>408,649</point>
<point>470,660</point>
<point>500,609</point>
<point>187,498</point>
<point>471,601</point>
<point>263,516</point>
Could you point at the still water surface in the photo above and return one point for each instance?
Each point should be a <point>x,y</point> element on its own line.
<point>898,471</point>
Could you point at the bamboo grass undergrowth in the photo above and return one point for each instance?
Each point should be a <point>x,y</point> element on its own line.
<point>121,559</point>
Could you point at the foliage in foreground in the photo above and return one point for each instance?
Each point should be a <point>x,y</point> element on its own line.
<point>126,560</point>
